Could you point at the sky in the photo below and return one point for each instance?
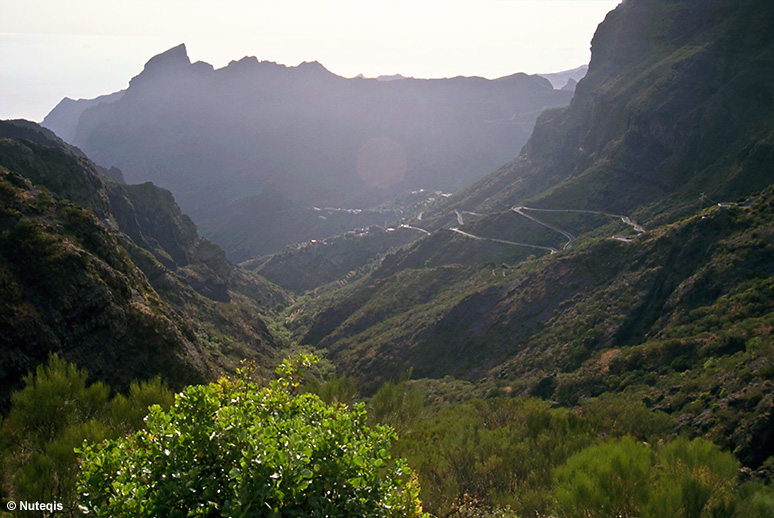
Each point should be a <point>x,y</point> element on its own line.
<point>51,49</point>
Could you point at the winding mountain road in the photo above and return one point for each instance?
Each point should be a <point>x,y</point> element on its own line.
<point>520,210</point>
<point>515,243</point>
<point>637,228</point>
<point>414,228</point>
<point>570,237</point>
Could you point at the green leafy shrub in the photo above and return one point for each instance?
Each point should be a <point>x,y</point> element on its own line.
<point>619,415</point>
<point>757,501</point>
<point>338,389</point>
<point>232,448</point>
<point>500,452</point>
<point>127,413</point>
<point>683,478</point>
<point>397,405</point>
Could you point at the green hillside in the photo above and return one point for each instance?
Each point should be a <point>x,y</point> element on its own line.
<point>671,308</point>
<point>113,276</point>
<point>677,101</point>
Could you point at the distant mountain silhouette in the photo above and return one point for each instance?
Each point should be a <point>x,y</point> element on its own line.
<point>67,113</point>
<point>566,79</point>
<point>570,86</point>
<point>393,77</point>
<point>215,136</point>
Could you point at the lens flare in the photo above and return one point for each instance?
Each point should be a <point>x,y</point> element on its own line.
<point>381,162</point>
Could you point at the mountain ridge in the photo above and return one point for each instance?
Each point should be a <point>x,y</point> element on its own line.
<point>215,136</point>
<point>611,150</point>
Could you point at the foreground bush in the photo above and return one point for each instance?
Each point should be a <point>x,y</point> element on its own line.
<point>55,412</point>
<point>684,478</point>
<point>606,480</point>
<point>235,449</point>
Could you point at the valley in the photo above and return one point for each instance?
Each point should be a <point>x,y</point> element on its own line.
<point>534,287</point>
<point>256,139</point>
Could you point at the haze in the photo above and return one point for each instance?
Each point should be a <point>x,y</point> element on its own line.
<point>85,48</point>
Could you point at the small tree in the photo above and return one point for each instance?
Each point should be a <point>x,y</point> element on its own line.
<point>609,480</point>
<point>127,413</point>
<point>397,404</point>
<point>696,480</point>
<point>233,448</point>
<point>53,414</point>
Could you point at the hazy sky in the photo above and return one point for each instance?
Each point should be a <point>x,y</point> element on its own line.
<point>50,49</point>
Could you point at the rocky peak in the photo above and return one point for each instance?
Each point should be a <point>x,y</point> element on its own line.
<point>570,86</point>
<point>313,65</point>
<point>639,30</point>
<point>170,65</point>
<point>174,58</point>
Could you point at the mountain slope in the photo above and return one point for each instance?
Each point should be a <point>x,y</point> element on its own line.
<point>76,278</point>
<point>677,314</point>
<point>677,101</point>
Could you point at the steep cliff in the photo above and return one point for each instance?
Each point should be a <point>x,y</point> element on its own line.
<point>678,101</point>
